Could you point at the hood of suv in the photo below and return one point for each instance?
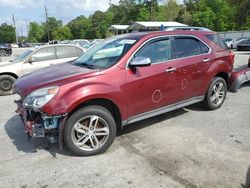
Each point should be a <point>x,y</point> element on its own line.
<point>53,75</point>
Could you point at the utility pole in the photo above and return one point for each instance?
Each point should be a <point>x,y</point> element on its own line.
<point>27,27</point>
<point>46,15</point>
<point>14,22</point>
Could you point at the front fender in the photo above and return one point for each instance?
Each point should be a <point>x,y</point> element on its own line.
<point>69,98</point>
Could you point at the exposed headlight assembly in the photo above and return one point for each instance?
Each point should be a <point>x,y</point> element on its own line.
<point>40,97</point>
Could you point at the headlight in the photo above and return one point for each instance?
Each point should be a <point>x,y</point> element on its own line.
<point>40,97</point>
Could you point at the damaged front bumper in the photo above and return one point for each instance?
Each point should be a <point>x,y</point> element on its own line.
<point>38,124</point>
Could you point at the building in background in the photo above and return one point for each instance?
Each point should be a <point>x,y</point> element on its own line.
<point>118,29</point>
<point>153,26</point>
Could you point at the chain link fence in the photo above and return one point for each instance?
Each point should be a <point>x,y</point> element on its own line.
<point>235,34</point>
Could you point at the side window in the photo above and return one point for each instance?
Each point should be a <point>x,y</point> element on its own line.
<point>66,52</point>
<point>204,48</point>
<point>217,40</point>
<point>44,54</point>
<point>157,51</point>
<point>185,46</point>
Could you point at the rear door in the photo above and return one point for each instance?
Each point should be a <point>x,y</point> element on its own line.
<point>191,57</point>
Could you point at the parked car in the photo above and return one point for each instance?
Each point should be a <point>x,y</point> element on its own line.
<point>33,59</point>
<point>5,50</point>
<point>244,45</point>
<point>120,81</point>
<point>80,42</point>
<point>228,42</point>
<point>23,45</point>
<point>237,41</point>
<point>14,45</point>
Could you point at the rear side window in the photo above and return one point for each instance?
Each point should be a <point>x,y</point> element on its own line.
<point>157,51</point>
<point>217,40</point>
<point>66,52</point>
<point>187,46</point>
<point>79,52</point>
<point>204,48</point>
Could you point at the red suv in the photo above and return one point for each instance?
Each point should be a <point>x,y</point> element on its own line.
<point>122,80</point>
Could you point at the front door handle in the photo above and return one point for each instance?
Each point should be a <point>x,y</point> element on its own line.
<point>170,69</point>
<point>206,60</point>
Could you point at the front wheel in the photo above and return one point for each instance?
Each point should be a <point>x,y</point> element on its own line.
<point>6,82</point>
<point>89,131</point>
<point>3,53</point>
<point>216,94</point>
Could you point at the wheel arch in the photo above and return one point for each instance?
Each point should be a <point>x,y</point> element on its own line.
<point>223,75</point>
<point>10,74</point>
<point>106,103</point>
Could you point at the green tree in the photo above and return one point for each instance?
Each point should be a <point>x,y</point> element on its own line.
<point>7,33</point>
<point>169,11</point>
<point>205,18</point>
<point>61,33</point>
<point>143,15</point>
<point>51,25</point>
<point>36,32</point>
<point>241,13</point>
<point>214,14</point>
<point>78,27</point>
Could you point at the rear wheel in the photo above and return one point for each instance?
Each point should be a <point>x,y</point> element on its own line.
<point>6,82</point>
<point>216,94</point>
<point>89,131</point>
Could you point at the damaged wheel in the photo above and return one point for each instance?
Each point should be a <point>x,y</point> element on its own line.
<point>216,94</point>
<point>89,131</point>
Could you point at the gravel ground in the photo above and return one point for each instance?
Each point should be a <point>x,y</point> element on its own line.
<point>189,147</point>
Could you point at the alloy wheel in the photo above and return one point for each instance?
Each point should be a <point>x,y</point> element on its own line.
<point>218,93</point>
<point>90,133</point>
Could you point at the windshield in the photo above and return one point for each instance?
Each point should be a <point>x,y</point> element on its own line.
<point>106,53</point>
<point>22,56</point>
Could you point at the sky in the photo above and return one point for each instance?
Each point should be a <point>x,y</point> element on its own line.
<point>26,11</point>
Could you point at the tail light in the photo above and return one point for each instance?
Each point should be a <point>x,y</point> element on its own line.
<point>231,57</point>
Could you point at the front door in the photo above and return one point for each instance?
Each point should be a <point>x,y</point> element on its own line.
<point>151,87</point>
<point>42,58</point>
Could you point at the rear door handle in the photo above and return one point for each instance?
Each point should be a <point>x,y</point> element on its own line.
<point>170,69</point>
<point>206,60</point>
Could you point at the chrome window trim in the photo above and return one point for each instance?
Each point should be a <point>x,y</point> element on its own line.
<point>169,36</point>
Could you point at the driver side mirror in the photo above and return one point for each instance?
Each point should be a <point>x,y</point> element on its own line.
<point>31,60</point>
<point>140,62</point>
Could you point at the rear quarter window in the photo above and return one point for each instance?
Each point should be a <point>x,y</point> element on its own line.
<point>215,38</point>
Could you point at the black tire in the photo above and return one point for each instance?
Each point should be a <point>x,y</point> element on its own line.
<point>208,101</point>
<point>6,82</point>
<point>94,110</point>
<point>3,53</point>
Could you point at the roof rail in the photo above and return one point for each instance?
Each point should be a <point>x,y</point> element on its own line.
<point>187,28</point>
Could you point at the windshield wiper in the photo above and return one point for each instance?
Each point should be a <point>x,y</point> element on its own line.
<point>90,66</point>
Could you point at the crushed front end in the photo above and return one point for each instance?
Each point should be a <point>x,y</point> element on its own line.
<point>36,122</point>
